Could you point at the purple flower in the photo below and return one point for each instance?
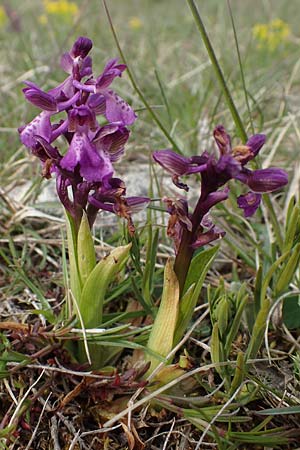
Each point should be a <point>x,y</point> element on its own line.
<point>190,230</point>
<point>266,180</point>
<point>84,173</point>
<point>116,109</point>
<point>81,47</point>
<point>241,153</point>
<point>39,126</point>
<point>108,199</point>
<point>216,172</point>
<point>179,165</point>
<point>40,98</point>
<point>110,72</point>
<point>249,203</point>
<point>76,62</point>
<point>111,139</point>
<point>83,154</point>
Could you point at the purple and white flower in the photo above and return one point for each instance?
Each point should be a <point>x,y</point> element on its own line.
<point>84,173</point>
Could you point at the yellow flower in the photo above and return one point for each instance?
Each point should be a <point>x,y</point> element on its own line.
<point>271,35</point>
<point>61,7</point>
<point>3,16</point>
<point>43,19</point>
<point>135,23</point>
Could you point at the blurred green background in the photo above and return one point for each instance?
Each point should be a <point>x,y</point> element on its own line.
<point>165,52</point>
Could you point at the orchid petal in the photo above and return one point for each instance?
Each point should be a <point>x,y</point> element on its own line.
<point>117,110</point>
<point>40,126</point>
<point>81,47</point>
<point>267,180</point>
<point>92,166</point>
<point>249,203</point>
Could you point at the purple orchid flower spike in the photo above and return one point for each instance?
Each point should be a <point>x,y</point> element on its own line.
<point>84,173</point>
<point>215,173</point>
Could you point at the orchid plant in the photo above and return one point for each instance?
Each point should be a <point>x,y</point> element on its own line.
<point>84,173</point>
<point>95,131</point>
<point>191,230</point>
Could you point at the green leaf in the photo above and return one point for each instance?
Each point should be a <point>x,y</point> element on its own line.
<point>280,411</point>
<point>291,312</point>
<point>199,266</point>
<point>215,347</point>
<point>258,329</point>
<point>194,281</point>
<point>240,370</point>
<point>85,249</point>
<point>241,302</point>
<point>269,275</point>
<point>94,289</point>
<point>75,282</point>
<point>287,272</point>
<point>257,289</point>
<point>291,229</point>
<point>162,334</point>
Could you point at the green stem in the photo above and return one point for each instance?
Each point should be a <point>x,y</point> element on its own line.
<point>235,115</point>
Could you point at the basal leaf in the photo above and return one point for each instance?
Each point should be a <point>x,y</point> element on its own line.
<point>94,289</point>
<point>85,249</point>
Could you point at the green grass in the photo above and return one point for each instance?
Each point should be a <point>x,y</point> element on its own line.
<point>173,71</point>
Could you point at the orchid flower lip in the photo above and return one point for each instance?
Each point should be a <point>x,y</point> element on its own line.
<point>249,203</point>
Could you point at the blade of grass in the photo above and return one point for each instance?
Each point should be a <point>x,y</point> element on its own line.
<point>219,74</point>
<point>231,105</point>
<point>135,85</point>
<point>240,65</point>
<point>164,97</point>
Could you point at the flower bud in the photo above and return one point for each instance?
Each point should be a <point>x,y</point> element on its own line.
<point>81,47</point>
